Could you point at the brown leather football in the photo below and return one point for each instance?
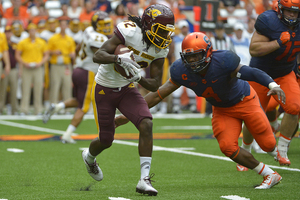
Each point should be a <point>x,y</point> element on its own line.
<point>121,49</point>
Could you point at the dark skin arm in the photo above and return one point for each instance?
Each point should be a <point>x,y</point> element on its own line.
<point>152,99</point>
<point>105,55</point>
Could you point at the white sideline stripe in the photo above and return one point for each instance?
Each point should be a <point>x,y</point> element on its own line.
<point>234,197</point>
<point>175,150</point>
<point>185,127</point>
<point>118,198</point>
<point>35,128</point>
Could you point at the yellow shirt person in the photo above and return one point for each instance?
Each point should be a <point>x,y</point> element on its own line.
<point>63,43</point>
<point>32,53</point>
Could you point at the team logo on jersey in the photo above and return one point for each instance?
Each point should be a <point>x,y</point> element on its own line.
<point>293,34</point>
<point>193,84</point>
<point>154,13</point>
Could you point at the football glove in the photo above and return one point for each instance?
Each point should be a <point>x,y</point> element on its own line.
<point>284,38</point>
<point>125,61</point>
<point>136,76</point>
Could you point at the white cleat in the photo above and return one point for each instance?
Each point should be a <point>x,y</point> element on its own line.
<point>48,113</point>
<point>269,181</point>
<point>144,186</point>
<point>67,140</point>
<point>93,169</point>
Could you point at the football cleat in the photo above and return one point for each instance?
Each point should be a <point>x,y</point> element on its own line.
<point>49,112</point>
<point>144,186</point>
<point>241,168</point>
<point>93,169</point>
<point>269,181</point>
<point>282,158</point>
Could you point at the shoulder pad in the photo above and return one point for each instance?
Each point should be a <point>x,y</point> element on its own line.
<point>128,28</point>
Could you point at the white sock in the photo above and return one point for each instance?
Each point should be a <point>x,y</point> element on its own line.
<point>69,131</point>
<point>247,147</point>
<point>273,153</point>
<point>90,158</point>
<point>145,166</point>
<point>59,106</point>
<point>283,144</point>
<point>263,170</point>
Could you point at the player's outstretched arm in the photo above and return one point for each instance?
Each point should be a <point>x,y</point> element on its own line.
<point>253,74</point>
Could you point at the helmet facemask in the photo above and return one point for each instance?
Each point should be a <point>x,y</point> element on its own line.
<point>105,26</point>
<point>195,61</point>
<point>285,19</point>
<point>160,35</point>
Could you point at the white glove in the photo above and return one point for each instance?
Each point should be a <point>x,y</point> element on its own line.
<point>136,78</point>
<point>130,66</point>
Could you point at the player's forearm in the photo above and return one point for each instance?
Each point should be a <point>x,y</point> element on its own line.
<point>102,57</point>
<point>152,99</point>
<point>258,49</point>
<point>149,84</point>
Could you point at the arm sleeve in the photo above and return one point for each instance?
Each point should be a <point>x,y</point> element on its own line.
<point>253,74</point>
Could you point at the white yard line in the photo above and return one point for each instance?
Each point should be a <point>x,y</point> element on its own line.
<point>35,128</point>
<point>155,148</point>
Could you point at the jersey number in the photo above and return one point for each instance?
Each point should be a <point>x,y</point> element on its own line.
<point>287,49</point>
<point>209,93</point>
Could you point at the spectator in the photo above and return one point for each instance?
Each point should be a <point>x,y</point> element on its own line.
<point>87,13</point>
<point>85,24</point>
<point>230,5</point>
<point>4,55</point>
<point>10,79</point>
<point>42,14</point>
<point>64,8</point>
<point>104,5</point>
<point>241,43</point>
<point>62,51</point>
<point>120,14</point>
<point>32,53</point>
<point>250,28</point>
<point>17,11</point>
<point>125,2</point>
<point>18,32</point>
<point>74,10</point>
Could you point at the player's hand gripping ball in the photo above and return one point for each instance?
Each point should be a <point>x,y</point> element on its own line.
<point>125,64</point>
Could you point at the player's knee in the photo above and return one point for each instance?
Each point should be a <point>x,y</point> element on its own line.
<point>106,138</point>
<point>228,149</point>
<point>146,125</point>
<point>293,109</point>
<point>267,144</point>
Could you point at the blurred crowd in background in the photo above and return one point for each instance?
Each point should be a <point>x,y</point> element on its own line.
<point>27,88</point>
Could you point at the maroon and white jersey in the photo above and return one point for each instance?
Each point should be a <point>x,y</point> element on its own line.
<point>90,38</point>
<point>131,36</point>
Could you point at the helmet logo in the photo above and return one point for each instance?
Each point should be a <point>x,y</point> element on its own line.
<point>154,13</point>
<point>95,17</point>
<point>205,38</point>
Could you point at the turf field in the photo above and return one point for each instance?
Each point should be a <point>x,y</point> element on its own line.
<point>187,163</point>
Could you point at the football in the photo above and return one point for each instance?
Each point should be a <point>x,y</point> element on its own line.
<point>121,49</point>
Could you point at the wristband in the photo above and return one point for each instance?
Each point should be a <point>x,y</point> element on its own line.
<point>272,85</point>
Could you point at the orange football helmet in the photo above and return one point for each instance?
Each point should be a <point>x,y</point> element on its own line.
<point>196,51</point>
<point>292,5</point>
